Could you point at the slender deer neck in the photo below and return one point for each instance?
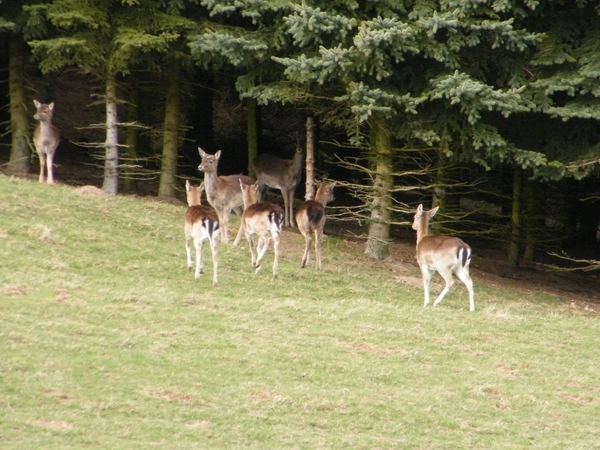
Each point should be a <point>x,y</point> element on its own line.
<point>321,197</point>
<point>423,227</point>
<point>210,180</point>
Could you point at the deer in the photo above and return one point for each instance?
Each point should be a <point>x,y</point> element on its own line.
<point>46,137</point>
<point>222,192</point>
<point>261,222</point>
<point>446,254</point>
<point>201,224</point>
<point>310,218</point>
<point>282,174</point>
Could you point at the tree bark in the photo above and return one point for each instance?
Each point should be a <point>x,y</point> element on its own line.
<point>515,245</point>
<point>131,138</point>
<point>379,226</point>
<point>111,162</point>
<point>531,232</point>
<point>19,161</point>
<point>310,158</point>
<point>253,131</point>
<point>168,172</point>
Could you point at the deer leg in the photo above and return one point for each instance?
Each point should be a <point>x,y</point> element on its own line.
<point>42,156</point>
<point>447,275</point>
<point>50,167</point>
<point>263,245</point>
<point>318,241</point>
<point>307,242</point>
<point>199,262</point>
<point>188,251</point>
<point>276,260</point>
<point>289,208</point>
<point>250,239</point>
<point>240,233</point>
<point>214,248</point>
<point>464,276</point>
<point>224,225</point>
<point>427,274</point>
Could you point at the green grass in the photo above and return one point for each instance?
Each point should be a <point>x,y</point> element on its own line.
<point>107,342</point>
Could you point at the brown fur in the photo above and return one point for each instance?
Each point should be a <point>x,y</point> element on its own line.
<point>222,192</point>
<point>201,224</point>
<point>282,174</point>
<point>311,219</point>
<point>261,223</point>
<point>445,254</point>
<point>46,138</point>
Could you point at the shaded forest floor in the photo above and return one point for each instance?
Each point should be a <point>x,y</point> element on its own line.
<point>579,289</point>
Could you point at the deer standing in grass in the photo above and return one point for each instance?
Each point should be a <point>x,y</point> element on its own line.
<point>448,255</point>
<point>201,224</point>
<point>45,138</point>
<point>311,218</point>
<point>261,222</point>
<point>222,192</point>
<point>282,174</point>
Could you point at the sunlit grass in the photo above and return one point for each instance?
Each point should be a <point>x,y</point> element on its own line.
<point>106,341</point>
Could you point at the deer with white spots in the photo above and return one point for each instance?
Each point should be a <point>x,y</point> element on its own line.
<point>311,219</point>
<point>261,223</point>
<point>45,139</point>
<point>445,254</point>
<point>201,225</point>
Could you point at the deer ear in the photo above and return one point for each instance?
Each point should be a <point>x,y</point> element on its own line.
<point>420,209</point>
<point>433,211</point>
<point>37,104</point>
<point>51,106</point>
<point>202,153</point>
<point>218,154</point>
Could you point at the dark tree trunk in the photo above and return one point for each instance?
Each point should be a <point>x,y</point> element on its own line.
<point>515,245</point>
<point>168,173</point>
<point>20,153</point>
<point>379,225</point>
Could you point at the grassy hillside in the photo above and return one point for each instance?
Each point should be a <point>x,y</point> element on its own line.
<point>107,342</point>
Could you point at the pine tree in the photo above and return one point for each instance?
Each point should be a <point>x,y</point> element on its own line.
<point>426,74</point>
<point>105,39</point>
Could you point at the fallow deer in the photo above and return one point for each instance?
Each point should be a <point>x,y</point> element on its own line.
<point>282,174</point>
<point>448,255</point>
<point>261,223</point>
<point>222,192</point>
<point>45,138</point>
<point>201,224</point>
<point>311,218</point>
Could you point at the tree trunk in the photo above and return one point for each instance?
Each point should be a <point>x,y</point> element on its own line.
<point>531,230</point>
<point>253,133</point>
<point>111,162</point>
<point>310,158</point>
<point>131,139</point>
<point>19,161</point>
<point>168,172</point>
<point>379,226</point>
<point>515,246</point>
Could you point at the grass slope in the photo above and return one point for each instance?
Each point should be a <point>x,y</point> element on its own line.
<point>106,341</point>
